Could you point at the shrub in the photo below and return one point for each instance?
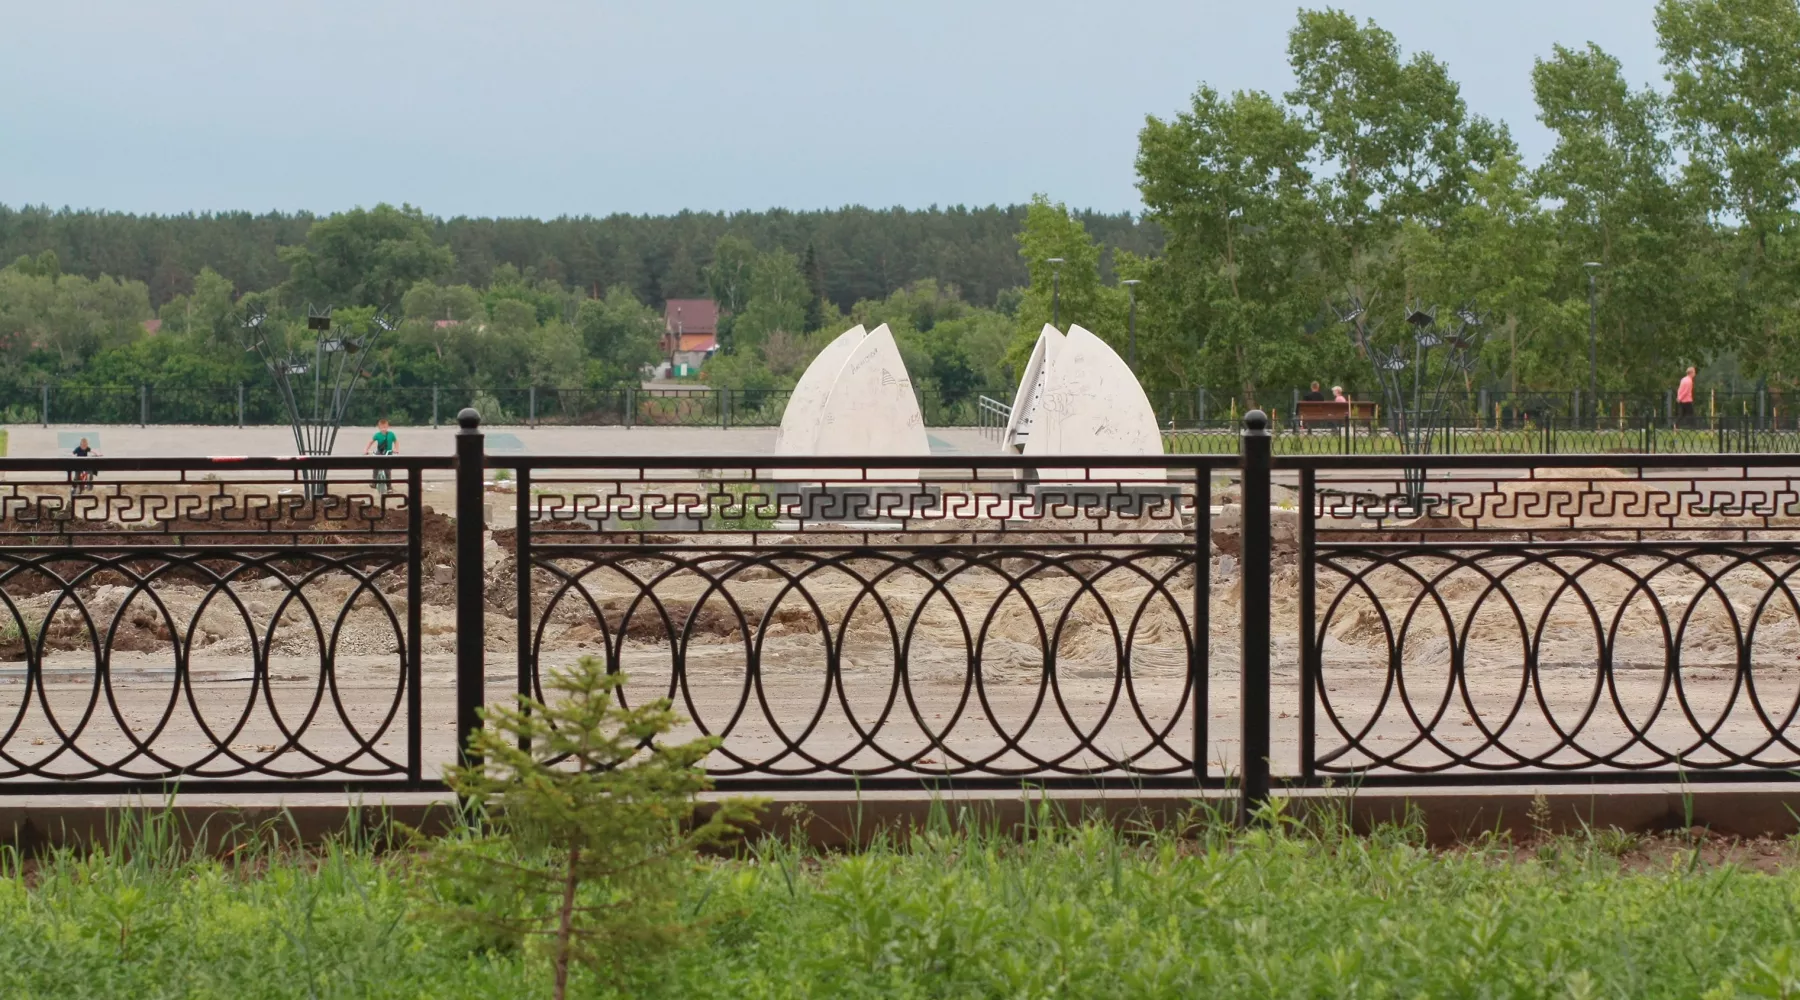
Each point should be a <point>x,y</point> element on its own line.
<point>586,826</point>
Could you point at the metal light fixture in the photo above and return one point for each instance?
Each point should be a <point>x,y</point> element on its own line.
<point>334,376</point>
<point>1593,381</point>
<point>1131,356</point>
<point>1056,264</point>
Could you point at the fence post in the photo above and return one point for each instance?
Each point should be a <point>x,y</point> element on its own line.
<point>471,539</point>
<point>1198,651</point>
<point>531,407</point>
<point>434,409</point>
<point>630,406</point>
<point>724,401</point>
<point>415,572</point>
<point>1309,647</point>
<point>1200,407</point>
<point>143,405</point>
<point>240,404</point>
<point>1253,615</point>
<point>44,412</point>
<point>522,613</point>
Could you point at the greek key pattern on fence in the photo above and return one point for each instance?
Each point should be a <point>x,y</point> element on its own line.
<point>869,626</point>
<point>210,623</point>
<point>1548,620</point>
<point>945,621</point>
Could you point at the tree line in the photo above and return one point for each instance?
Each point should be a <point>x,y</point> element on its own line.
<point>859,253</point>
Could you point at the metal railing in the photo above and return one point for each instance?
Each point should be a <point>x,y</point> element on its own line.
<point>206,623</point>
<point>1535,618</point>
<point>1551,437</point>
<point>992,417</point>
<point>684,406</point>
<point>936,622</point>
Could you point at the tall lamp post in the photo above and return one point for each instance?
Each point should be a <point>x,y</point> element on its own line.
<point>1593,388</point>
<point>1131,348</point>
<point>1056,264</point>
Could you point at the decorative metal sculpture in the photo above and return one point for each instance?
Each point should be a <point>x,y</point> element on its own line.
<point>335,369</point>
<point>1413,391</point>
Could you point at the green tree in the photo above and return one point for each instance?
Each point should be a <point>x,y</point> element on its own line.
<point>815,288</point>
<point>209,313</point>
<point>588,826</point>
<point>1619,202</point>
<point>776,300</point>
<point>1733,75</point>
<point>728,282</point>
<point>61,321</point>
<point>1395,140</point>
<point>1071,292</point>
<point>1227,181</point>
<point>366,258</point>
<point>620,335</point>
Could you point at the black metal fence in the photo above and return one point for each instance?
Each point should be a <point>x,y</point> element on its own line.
<point>930,622</point>
<point>204,622</point>
<point>1367,437</point>
<point>687,406</point>
<point>1539,619</point>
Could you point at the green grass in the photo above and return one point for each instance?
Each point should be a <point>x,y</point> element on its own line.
<point>1073,911</point>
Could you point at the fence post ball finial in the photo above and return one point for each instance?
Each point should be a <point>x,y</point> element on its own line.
<point>468,419</point>
<point>1256,422</point>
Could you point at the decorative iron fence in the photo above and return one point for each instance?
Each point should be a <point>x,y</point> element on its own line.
<point>205,623</point>
<point>890,623</point>
<point>1540,619</point>
<point>935,622</point>
<point>686,406</point>
<point>1368,437</point>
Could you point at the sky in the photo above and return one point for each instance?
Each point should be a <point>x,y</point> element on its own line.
<point>591,107</point>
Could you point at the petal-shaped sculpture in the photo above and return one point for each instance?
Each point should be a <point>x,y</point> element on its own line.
<point>799,431</point>
<point>871,409</point>
<point>866,409</point>
<point>1031,390</point>
<point>1092,404</point>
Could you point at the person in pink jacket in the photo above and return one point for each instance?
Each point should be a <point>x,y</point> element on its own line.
<point>1684,397</point>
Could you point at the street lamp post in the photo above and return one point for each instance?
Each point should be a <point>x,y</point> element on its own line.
<point>1593,390</point>
<point>1131,348</point>
<point>1055,291</point>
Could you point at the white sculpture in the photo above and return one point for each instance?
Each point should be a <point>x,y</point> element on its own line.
<point>854,400</point>
<point>1031,389</point>
<point>1080,398</point>
<point>800,420</point>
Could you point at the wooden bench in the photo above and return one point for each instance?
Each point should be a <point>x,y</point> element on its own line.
<point>1329,412</point>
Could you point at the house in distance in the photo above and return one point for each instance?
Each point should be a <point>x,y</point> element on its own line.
<point>690,333</point>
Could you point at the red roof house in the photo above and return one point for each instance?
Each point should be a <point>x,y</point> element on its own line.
<point>690,325</point>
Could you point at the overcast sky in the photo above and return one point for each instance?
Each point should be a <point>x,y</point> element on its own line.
<point>544,109</point>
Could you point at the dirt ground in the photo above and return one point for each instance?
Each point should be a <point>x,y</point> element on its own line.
<point>1082,662</point>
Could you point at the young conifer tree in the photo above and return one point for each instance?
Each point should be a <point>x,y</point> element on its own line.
<point>587,826</point>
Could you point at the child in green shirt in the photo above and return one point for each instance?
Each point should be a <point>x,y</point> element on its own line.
<point>383,443</point>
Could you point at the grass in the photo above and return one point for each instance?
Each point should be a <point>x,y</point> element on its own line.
<point>1075,910</point>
